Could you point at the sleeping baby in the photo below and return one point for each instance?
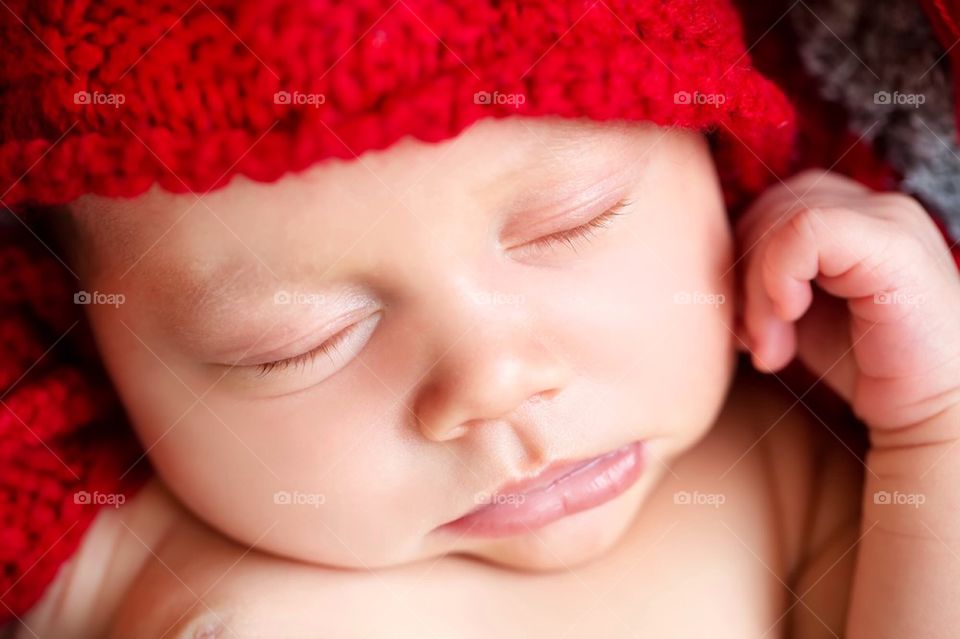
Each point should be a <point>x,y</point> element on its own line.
<point>471,320</point>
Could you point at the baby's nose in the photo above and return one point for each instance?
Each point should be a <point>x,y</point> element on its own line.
<point>485,377</point>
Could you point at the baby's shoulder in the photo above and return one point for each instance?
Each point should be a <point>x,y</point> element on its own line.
<point>813,453</point>
<point>83,597</point>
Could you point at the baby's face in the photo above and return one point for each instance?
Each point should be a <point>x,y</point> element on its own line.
<point>333,366</point>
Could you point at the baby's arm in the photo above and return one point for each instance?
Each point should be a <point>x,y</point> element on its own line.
<point>887,338</point>
<point>908,566</point>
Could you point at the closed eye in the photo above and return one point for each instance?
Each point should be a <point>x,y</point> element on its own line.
<point>578,235</point>
<point>328,348</point>
<point>338,349</point>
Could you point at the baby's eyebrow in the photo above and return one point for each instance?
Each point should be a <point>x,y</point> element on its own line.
<point>187,292</point>
<point>192,286</point>
<point>568,168</point>
<point>238,300</point>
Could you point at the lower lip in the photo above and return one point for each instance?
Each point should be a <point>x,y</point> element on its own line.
<point>588,485</point>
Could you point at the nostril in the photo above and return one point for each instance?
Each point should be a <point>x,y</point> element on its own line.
<point>209,630</point>
<point>545,395</point>
<point>206,626</point>
<point>461,429</point>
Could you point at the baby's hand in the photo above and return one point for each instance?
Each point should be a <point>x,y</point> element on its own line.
<point>887,337</point>
<point>884,331</point>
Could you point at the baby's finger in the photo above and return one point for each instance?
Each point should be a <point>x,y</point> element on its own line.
<point>771,340</point>
<point>807,189</point>
<point>767,321</point>
<point>866,260</point>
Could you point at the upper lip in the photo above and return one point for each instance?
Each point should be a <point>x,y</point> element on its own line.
<point>543,478</point>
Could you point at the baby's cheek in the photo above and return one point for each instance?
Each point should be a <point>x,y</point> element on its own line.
<point>672,339</point>
<point>301,477</point>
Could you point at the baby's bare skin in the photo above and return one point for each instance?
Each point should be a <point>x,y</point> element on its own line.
<point>488,350</point>
<point>777,519</point>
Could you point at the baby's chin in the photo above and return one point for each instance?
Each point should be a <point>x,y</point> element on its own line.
<point>568,542</point>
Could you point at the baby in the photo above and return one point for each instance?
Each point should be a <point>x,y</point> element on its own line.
<point>497,324</point>
<point>490,385</point>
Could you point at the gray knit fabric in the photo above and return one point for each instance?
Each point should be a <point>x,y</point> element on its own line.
<point>882,61</point>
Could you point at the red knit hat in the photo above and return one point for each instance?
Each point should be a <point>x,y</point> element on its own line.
<point>112,96</point>
<point>108,97</point>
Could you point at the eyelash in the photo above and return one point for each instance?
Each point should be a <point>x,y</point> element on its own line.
<point>304,359</point>
<point>570,237</point>
<point>584,232</point>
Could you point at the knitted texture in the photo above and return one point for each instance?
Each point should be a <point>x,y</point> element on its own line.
<point>944,17</point>
<point>110,97</point>
<point>64,452</point>
<point>903,105</point>
<point>835,59</point>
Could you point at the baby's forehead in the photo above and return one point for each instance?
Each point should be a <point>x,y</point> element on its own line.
<point>493,166</point>
<point>509,148</point>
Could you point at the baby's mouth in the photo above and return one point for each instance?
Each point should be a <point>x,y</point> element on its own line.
<point>559,490</point>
